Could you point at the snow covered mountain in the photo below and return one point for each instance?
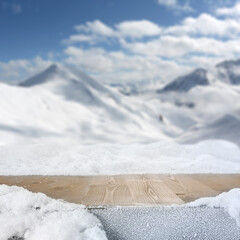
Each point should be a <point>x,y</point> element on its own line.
<point>229,71</point>
<point>187,82</point>
<point>62,121</point>
<point>74,85</point>
<point>63,102</point>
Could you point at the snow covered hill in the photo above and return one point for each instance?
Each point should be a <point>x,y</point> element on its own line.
<point>185,83</point>
<point>66,103</point>
<point>46,119</point>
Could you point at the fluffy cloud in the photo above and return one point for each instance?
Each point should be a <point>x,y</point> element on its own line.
<point>137,29</point>
<point>234,11</point>
<point>80,38</point>
<point>174,47</point>
<point>119,66</point>
<point>93,60</point>
<point>174,5</point>
<point>165,53</point>
<point>203,25</point>
<point>97,30</point>
<point>96,27</point>
<point>170,3</point>
<point>144,50</point>
<point>206,24</point>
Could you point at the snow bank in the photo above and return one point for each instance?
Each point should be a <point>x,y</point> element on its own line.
<point>34,216</point>
<point>73,158</point>
<point>230,201</point>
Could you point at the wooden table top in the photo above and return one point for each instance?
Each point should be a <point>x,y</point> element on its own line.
<point>128,190</point>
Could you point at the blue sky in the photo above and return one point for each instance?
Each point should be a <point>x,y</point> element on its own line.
<point>127,40</point>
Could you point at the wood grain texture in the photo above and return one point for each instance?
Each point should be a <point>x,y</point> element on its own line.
<point>128,190</point>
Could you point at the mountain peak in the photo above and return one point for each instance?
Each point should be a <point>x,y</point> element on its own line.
<point>230,71</point>
<point>52,68</point>
<point>228,64</point>
<point>42,77</point>
<point>183,84</point>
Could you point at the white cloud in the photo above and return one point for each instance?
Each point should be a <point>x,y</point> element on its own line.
<point>118,66</point>
<point>138,29</point>
<point>234,11</point>
<point>169,3</point>
<point>203,25</point>
<point>174,5</point>
<point>166,52</point>
<point>196,42</point>
<point>206,24</point>
<point>96,27</point>
<point>93,60</point>
<point>97,31</point>
<point>80,38</point>
<point>174,46</point>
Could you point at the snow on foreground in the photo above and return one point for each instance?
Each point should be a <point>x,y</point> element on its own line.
<point>230,201</point>
<point>34,216</point>
<point>73,158</point>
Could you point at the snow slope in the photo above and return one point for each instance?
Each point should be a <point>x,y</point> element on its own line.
<point>34,216</point>
<point>66,103</point>
<point>47,120</point>
<point>72,158</point>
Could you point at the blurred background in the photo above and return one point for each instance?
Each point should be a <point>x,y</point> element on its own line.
<point>119,71</point>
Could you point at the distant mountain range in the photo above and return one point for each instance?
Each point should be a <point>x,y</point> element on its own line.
<point>65,103</point>
<point>227,71</point>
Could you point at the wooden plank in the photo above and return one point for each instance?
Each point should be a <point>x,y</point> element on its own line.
<point>145,190</point>
<point>165,194</point>
<point>219,182</point>
<point>194,189</point>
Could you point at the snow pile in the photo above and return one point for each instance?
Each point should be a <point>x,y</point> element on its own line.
<point>72,158</point>
<point>33,216</point>
<point>230,201</point>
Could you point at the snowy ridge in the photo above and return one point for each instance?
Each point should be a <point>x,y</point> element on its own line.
<point>41,77</point>
<point>183,84</point>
